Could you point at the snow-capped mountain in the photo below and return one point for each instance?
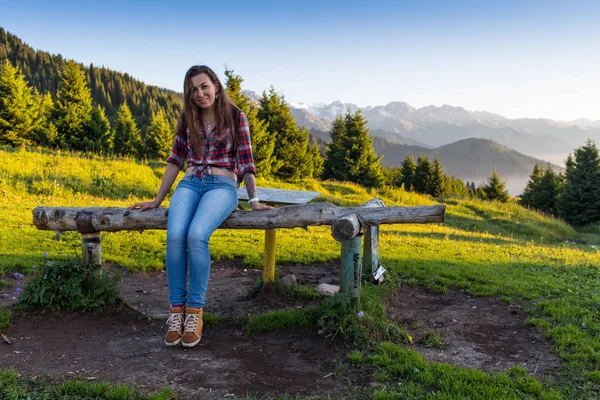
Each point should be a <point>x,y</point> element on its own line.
<point>435,126</point>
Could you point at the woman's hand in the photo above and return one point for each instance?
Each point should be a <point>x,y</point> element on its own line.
<point>145,205</point>
<point>256,206</point>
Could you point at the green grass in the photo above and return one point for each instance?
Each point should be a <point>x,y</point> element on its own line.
<point>433,339</point>
<point>405,374</point>
<point>210,319</point>
<point>297,318</point>
<point>5,318</point>
<point>33,178</point>
<point>483,248</point>
<point>13,386</point>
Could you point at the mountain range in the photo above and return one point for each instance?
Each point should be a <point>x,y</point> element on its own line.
<point>513,146</point>
<point>470,144</point>
<point>432,126</point>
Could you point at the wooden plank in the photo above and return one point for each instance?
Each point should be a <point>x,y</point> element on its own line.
<point>279,196</point>
<point>112,219</point>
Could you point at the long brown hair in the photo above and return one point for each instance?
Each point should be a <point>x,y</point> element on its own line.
<point>190,116</point>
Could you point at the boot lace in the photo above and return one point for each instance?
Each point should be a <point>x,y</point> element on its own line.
<point>175,321</point>
<point>191,322</point>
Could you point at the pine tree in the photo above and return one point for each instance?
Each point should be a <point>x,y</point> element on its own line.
<point>361,160</point>
<point>393,176</point>
<point>579,202</point>
<point>407,169</point>
<point>335,156</point>
<point>159,137</point>
<point>46,134</point>
<point>263,143</point>
<point>541,192</point>
<point>437,182</point>
<point>423,174</point>
<point>548,191</point>
<point>316,159</point>
<point>99,134</point>
<point>21,113</point>
<point>73,108</point>
<point>291,142</point>
<point>495,189</point>
<point>127,135</point>
<point>455,187</point>
<point>527,198</point>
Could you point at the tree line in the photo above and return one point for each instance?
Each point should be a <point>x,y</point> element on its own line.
<point>63,104</point>
<point>573,195</point>
<point>109,89</point>
<point>72,118</point>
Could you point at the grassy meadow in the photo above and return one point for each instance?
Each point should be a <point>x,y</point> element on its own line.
<point>485,249</point>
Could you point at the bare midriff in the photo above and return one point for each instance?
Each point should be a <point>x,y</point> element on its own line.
<point>214,171</point>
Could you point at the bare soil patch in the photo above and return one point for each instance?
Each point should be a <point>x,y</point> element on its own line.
<point>477,332</point>
<point>125,343</point>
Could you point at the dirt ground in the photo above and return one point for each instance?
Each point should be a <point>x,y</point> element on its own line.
<point>125,344</point>
<point>472,332</point>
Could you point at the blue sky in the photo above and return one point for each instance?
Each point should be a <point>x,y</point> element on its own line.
<point>521,58</point>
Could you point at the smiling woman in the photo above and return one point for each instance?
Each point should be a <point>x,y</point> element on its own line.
<point>213,140</point>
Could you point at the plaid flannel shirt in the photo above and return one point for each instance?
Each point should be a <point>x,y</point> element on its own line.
<point>218,152</point>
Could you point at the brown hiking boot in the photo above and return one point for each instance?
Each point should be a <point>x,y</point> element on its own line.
<point>175,322</point>
<point>192,332</point>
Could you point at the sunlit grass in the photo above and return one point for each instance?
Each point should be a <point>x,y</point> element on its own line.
<point>486,249</point>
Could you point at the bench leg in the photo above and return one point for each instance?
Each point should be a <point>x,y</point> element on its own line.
<point>91,248</point>
<point>351,272</point>
<point>370,252</point>
<point>269,256</point>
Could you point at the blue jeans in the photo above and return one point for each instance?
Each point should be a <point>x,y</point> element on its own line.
<point>197,209</point>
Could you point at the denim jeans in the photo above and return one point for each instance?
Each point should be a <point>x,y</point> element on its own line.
<point>198,207</point>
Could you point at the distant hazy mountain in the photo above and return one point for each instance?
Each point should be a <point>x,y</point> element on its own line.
<point>436,126</point>
<point>585,123</point>
<point>469,159</point>
<point>304,118</point>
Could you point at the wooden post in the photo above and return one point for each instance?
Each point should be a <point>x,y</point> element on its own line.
<point>371,254</point>
<point>351,269</point>
<point>91,248</point>
<point>269,257</point>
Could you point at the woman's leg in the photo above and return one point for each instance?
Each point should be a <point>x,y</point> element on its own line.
<point>182,208</point>
<point>219,200</point>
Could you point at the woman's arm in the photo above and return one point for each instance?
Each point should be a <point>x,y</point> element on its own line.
<point>167,181</point>
<point>250,182</point>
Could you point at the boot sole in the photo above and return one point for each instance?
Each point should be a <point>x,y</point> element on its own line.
<point>191,344</point>
<point>175,343</point>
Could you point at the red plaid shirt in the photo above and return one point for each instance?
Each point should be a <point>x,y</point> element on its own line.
<point>218,152</point>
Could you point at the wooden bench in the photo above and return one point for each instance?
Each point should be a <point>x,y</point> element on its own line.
<point>275,198</point>
<point>348,226</point>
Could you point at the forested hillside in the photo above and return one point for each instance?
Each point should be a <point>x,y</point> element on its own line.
<point>109,89</point>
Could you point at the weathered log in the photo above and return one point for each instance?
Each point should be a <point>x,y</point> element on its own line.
<point>348,226</point>
<point>299,216</point>
<point>345,228</point>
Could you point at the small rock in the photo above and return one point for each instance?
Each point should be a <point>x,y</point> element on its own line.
<point>327,290</point>
<point>288,280</point>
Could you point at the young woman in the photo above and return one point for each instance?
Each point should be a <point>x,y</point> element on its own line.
<point>213,140</point>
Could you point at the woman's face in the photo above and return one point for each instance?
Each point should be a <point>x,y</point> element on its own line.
<point>204,91</point>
